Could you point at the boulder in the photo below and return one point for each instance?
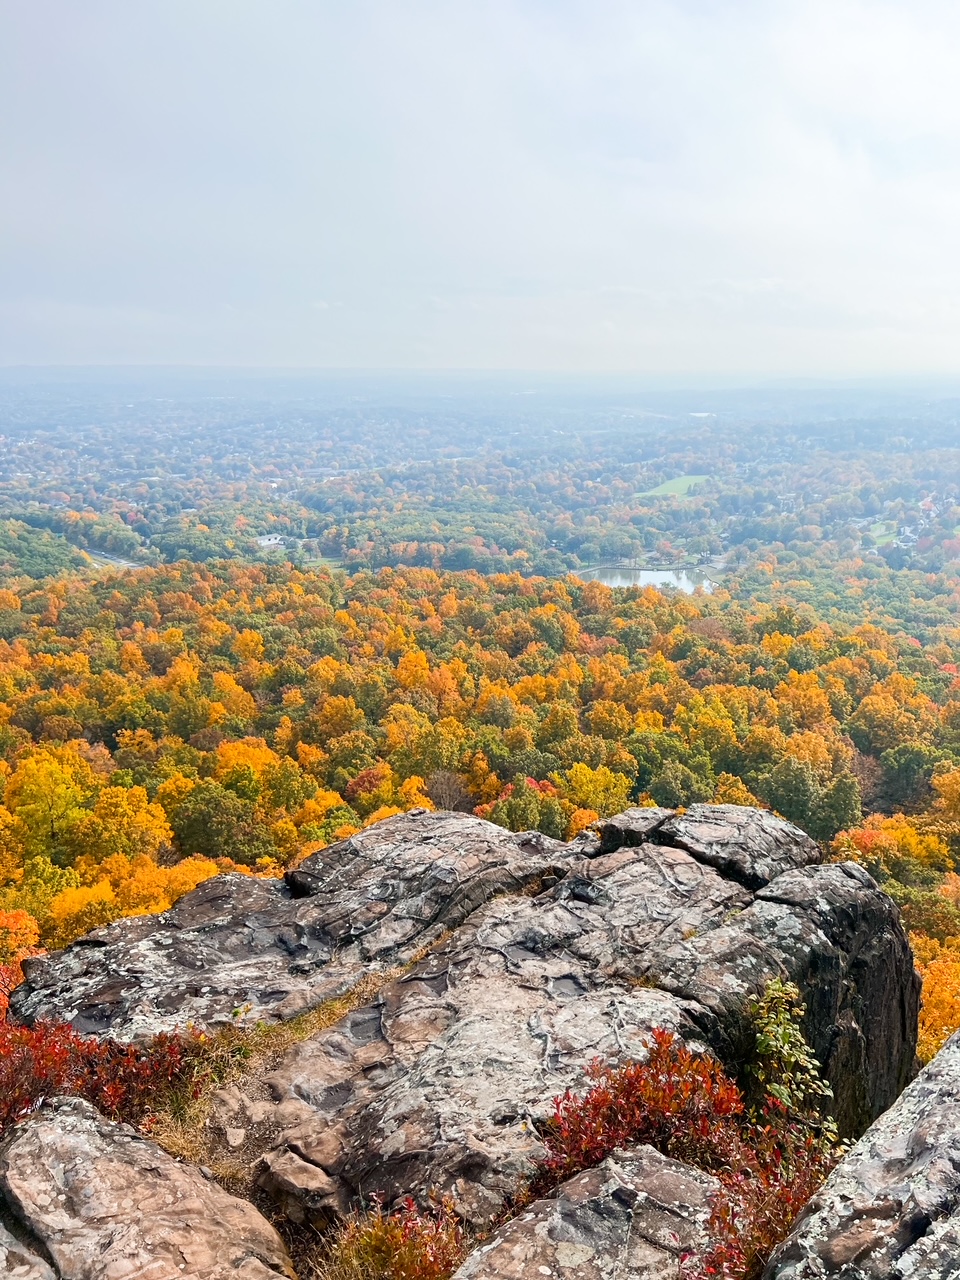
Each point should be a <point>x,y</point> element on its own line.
<point>634,1216</point>
<point>750,845</point>
<point>106,1204</point>
<point>633,826</point>
<point>239,949</point>
<point>443,1080</point>
<point>891,1208</point>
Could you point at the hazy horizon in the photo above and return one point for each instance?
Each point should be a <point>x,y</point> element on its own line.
<point>680,192</point>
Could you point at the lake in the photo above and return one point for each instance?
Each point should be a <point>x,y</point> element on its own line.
<point>613,576</point>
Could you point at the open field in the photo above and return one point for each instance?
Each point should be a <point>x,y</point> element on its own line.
<point>678,486</point>
<point>883,532</point>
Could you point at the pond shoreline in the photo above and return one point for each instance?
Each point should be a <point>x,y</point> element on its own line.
<point>686,580</point>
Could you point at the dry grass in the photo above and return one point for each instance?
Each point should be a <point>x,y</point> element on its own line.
<point>405,1244</point>
<point>243,1056</point>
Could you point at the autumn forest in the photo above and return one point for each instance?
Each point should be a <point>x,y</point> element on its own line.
<point>163,725</point>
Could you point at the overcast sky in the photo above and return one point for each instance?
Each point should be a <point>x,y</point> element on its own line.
<point>674,187</point>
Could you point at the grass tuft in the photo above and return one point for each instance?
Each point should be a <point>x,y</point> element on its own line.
<point>179,1121</point>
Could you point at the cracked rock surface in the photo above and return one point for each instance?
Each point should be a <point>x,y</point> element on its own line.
<point>749,845</point>
<point>891,1208</point>
<point>106,1204</point>
<point>526,959</point>
<point>243,950</point>
<point>442,1081</point>
<point>633,1216</point>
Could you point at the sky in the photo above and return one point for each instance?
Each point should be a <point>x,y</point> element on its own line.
<point>676,188</point>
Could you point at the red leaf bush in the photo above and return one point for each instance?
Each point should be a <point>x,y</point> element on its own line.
<point>684,1105</point>
<point>124,1081</point>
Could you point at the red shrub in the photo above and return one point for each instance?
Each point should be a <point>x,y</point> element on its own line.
<point>123,1081</point>
<point>683,1105</point>
<point>758,1205</point>
<point>688,1108</point>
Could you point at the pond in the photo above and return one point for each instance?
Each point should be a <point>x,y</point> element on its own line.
<point>614,576</point>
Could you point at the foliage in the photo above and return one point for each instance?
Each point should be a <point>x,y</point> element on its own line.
<point>676,786</point>
<point>793,790</point>
<point>768,1163</point>
<point>123,1081</point>
<point>680,1103</point>
<point>895,848</point>
<point>939,966</point>
<point>926,911</point>
<point>528,805</point>
<point>784,1067</point>
<point>19,936</point>
<point>119,887</point>
<point>214,820</point>
<point>407,1243</point>
<point>34,553</point>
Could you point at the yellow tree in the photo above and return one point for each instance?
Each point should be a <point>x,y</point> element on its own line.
<point>122,821</point>
<point>47,794</point>
<point>601,790</point>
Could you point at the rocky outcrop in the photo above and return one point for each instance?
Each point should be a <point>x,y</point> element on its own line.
<point>524,960</point>
<point>244,950</point>
<point>751,846</point>
<point>636,1215</point>
<point>105,1203</point>
<point>748,845</point>
<point>891,1208</point>
<point>444,1079</point>
<point>20,1261</point>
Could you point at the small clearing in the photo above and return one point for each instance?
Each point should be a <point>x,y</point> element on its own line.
<point>679,486</point>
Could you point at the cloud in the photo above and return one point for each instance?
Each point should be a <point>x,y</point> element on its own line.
<point>673,187</point>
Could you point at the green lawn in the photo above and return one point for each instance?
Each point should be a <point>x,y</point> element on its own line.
<point>883,532</point>
<point>678,486</point>
<point>321,562</point>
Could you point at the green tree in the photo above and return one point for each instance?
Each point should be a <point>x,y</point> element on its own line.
<point>907,770</point>
<point>836,808</point>
<point>676,785</point>
<point>791,788</point>
<point>217,823</point>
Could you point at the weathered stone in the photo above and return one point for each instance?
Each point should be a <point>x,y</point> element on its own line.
<point>244,950</point>
<point>633,1216</point>
<point>20,1262</point>
<point>749,845</point>
<point>891,1208</point>
<point>107,1204</point>
<point>442,1081</point>
<point>537,958</point>
<point>632,827</point>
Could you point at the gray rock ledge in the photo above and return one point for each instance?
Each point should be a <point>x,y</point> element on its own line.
<point>891,1208</point>
<point>630,1218</point>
